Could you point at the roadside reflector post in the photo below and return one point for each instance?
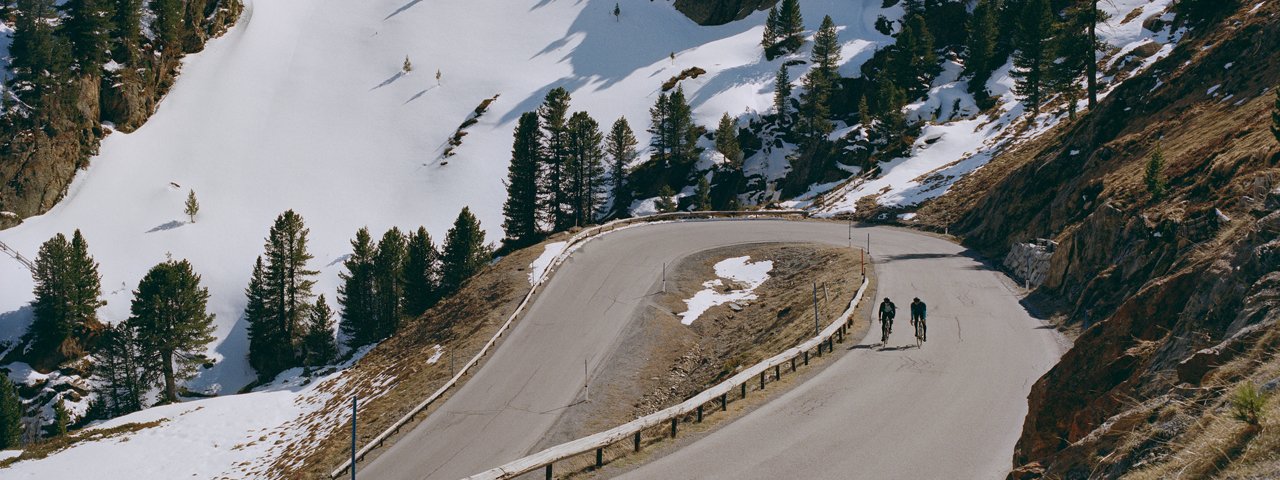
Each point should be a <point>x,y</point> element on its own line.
<point>353,438</point>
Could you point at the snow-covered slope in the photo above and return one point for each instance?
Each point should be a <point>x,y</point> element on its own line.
<point>303,105</point>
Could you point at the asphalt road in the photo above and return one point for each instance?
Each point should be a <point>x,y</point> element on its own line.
<point>950,410</point>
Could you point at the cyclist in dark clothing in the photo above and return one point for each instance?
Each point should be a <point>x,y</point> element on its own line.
<point>887,312</point>
<point>918,313</point>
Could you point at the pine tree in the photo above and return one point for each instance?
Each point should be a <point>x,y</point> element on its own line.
<point>681,132</point>
<point>67,296</point>
<point>666,200</point>
<point>981,46</point>
<point>318,343</point>
<point>617,12</point>
<point>355,295</point>
<point>1033,56</point>
<point>192,206</point>
<point>1157,186</point>
<point>169,311</point>
<point>554,114</point>
<point>826,50</point>
<point>88,26</point>
<point>408,66</point>
<point>40,59</point>
<point>126,33</point>
<point>814,113</point>
<point>388,282</point>
<point>520,212</point>
<point>10,415</point>
<point>620,146</point>
<point>285,290</point>
<point>1275,116</point>
<point>659,119</point>
<point>421,273</point>
<point>914,62</point>
<point>790,28</point>
<point>266,335</point>
<point>702,194</point>
<point>586,169</point>
<point>61,419</point>
<point>1075,43</point>
<point>464,252</point>
<point>167,25</point>
<point>727,140</point>
<point>782,94</point>
<point>770,37</point>
<point>120,371</point>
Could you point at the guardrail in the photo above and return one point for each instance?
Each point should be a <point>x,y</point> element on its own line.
<point>574,241</point>
<point>17,256</point>
<point>633,429</point>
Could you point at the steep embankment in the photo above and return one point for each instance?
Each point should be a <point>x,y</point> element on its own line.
<point>1149,281</point>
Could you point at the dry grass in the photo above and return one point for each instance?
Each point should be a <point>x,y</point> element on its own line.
<point>56,444</point>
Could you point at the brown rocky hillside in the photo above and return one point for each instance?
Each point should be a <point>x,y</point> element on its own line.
<point>1149,282</point>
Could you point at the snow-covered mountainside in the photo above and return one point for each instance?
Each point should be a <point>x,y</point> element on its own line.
<point>304,105</point>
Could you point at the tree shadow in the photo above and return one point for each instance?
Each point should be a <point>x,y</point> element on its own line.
<point>167,226</point>
<point>419,94</point>
<point>13,325</point>
<point>402,9</point>
<point>388,81</point>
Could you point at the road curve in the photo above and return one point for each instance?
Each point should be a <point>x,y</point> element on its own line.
<point>951,410</point>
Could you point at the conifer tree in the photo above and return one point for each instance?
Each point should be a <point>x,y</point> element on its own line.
<point>88,26</point>
<point>40,59</point>
<point>421,273</point>
<point>770,37</point>
<point>120,371</point>
<point>782,94</point>
<point>727,140</point>
<point>702,194</point>
<point>666,201</point>
<point>168,25</point>
<point>826,50</point>
<point>464,252</point>
<point>681,133</point>
<point>126,24</point>
<point>914,62</point>
<point>617,12</point>
<point>1154,175</point>
<point>814,123</point>
<point>620,146</point>
<point>169,311</point>
<point>659,119</point>
<point>388,282</point>
<point>10,415</point>
<point>355,295</point>
<point>586,169</point>
<point>266,336</point>
<point>554,114</point>
<point>286,293</point>
<point>408,66</point>
<point>192,206</point>
<point>1275,116</point>
<point>790,25</point>
<point>520,212</point>
<point>1034,53</point>
<point>61,419</point>
<point>67,296</point>
<point>981,46</point>
<point>318,343</point>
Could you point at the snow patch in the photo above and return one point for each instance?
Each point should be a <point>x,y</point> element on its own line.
<point>749,275</point>
<point>539,266</point>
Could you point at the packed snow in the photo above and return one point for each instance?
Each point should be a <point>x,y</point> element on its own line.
<point>539,266</point>
<point>746,274</point>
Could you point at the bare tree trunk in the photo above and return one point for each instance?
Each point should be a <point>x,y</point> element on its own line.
<point>170,386</point>
<point>1093,56</point>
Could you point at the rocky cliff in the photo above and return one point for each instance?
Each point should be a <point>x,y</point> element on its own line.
<point>37,164</point>
<point>720,12</point>
<point>1147,280</point>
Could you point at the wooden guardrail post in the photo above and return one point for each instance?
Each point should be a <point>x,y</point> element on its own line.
<point>806,358</point>
<point>724,402</point>
<point>744,390</point>
<point>777,372</point>
<point>793,364</point>
<point>599,457</point>
<point>637,441</point>
<point>548,471</point>
<point>699,413</point>
<point>674,421</point>
<point>762,380</point>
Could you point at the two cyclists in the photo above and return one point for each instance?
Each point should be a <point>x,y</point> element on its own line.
<point>888,310</point>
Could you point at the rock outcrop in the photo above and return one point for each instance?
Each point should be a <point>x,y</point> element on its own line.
<point>720,12</point>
